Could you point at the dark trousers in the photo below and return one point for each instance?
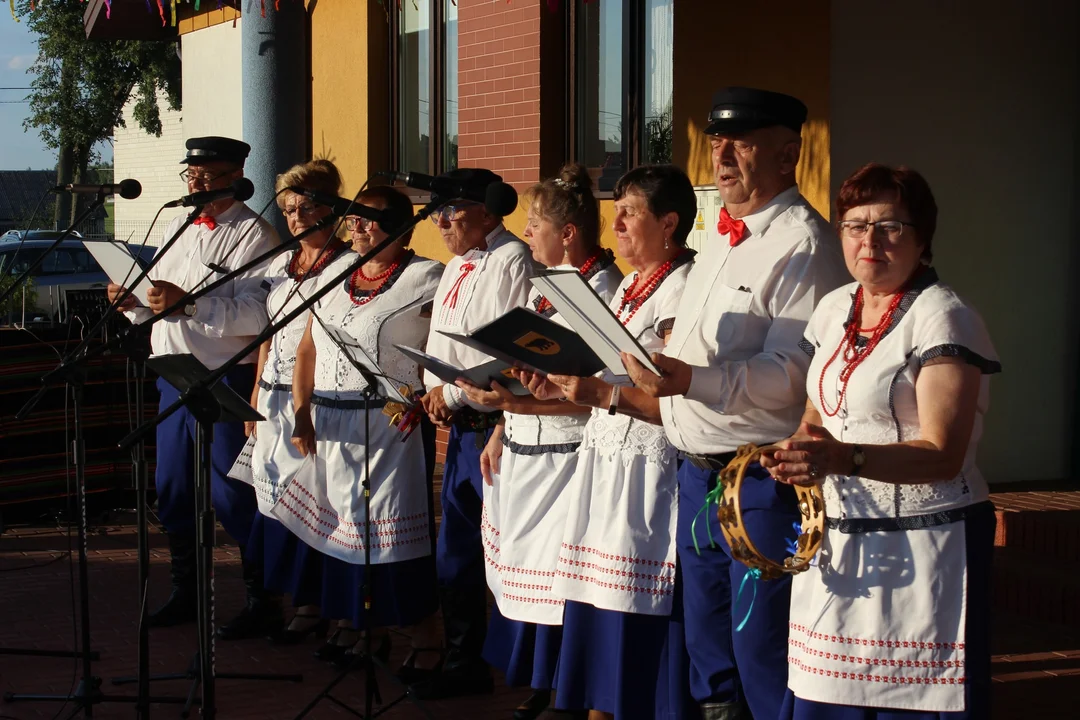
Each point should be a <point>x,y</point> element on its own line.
<point>726,664</point>
<point>234,501</point>
<point>460,551</point>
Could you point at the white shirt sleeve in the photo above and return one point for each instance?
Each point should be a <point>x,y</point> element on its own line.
<point>244,313</point>
<point>774,378</point>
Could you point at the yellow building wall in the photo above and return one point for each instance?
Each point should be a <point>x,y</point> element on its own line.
<point>188,20</point>
<point>782,46</point>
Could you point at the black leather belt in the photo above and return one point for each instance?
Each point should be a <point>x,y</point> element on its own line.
<point>712,463</point>
<point>360,404</point>
<point>276,386</point>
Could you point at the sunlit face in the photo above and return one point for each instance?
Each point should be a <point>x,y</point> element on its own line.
<point>640,234</point>
<point>302,213</point>
<point>880,258</point>
<point>545,238</point>
<point>214,175</point>
<point>462,226</point>
<point>748,167</point>
<point>366,234</point>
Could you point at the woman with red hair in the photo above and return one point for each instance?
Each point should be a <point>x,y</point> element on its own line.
<point>892,619</point>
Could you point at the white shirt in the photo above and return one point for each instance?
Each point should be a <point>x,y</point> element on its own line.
<point>228,318</point>
<point>739,324</point>
<point>880,405</point>
<point>467,299</point>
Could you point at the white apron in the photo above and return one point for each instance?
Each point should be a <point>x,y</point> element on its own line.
<point>880,619</point>
<point>618,546</point>
<point>323,503</point>
<point>525,509</point>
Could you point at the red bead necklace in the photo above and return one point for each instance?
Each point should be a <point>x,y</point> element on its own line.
<point>384,276</point>
<point>294,271</point>
<point>544,305</point>
<point>634,297</point>
<point>848,344</point>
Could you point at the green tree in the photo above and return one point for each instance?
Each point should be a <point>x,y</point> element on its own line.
<point>81,86</point>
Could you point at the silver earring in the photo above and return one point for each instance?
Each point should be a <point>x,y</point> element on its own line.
<point>666,245</point>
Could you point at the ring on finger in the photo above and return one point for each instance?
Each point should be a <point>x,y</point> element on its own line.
<point>814,471</point>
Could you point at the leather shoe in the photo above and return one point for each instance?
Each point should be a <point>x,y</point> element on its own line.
<point>180,608</point>
<point>725,711</point>
<point>255,620</point>
<point>455,682</point>
<point>533,706</point>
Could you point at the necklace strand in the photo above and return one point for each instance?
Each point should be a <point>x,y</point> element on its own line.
<point>384,276</point>
<point>634,298</point>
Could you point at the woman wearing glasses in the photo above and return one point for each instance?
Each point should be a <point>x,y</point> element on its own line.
<point>344,432</point>
<point>530,458</point>
<point>892,619</point>
<point>621,652</point>
<point>289,566</point>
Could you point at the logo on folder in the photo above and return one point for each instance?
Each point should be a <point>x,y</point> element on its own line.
<point>537,343</point>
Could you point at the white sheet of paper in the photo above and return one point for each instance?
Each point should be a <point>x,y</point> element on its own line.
<point>388,387</point>
<point>592,319</point>
<point>120,266</point>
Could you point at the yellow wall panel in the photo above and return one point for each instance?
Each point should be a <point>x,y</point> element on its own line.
<point>781,46</point>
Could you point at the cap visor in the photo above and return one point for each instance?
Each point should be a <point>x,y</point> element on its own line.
<point>732,126</point>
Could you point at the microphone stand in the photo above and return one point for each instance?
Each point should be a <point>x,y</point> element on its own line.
<point>195,397</point>
<point>88,692</point>
<point>367,661</point>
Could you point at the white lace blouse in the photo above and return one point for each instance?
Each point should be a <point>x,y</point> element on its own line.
<point>880,405</point>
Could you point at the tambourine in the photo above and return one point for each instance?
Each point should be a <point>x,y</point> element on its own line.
<point>811,512</point>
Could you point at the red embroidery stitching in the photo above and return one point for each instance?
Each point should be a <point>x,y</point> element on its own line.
<point>543,601</point>
<point>335,539</point>
<point>867,642</point>
<point>612,586</point>
<point>884,662</point>
<point>622,558</point>
<point>331,513</point>
<point>890,679</point>
<point>613,571</point>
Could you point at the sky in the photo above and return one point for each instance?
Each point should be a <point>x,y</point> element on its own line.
<point>19,149</point>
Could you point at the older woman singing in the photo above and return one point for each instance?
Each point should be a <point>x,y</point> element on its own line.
<point>529,460</point>
<point>892,621</point>
<point>616,561</point>
<point>289,565</point>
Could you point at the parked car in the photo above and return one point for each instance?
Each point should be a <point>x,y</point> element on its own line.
<point>70,267</point>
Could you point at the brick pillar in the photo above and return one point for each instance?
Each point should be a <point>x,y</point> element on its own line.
<point>499,88</point>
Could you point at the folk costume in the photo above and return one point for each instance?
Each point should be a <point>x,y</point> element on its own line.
<point>615,568</point>
<point>213,329</point>
<point>323,502</point>
<point>893,618</point>
<point>524,516</point>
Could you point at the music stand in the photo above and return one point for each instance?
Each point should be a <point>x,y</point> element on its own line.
<point>376,380</point>
<point>208,405</point>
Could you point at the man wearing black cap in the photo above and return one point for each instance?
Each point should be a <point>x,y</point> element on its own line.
<point>226,235</point>
<point>488,276</point>
<point>734,374</point>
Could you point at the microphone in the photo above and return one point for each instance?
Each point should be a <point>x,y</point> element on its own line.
<point>128,189</point>
<point>341,206</point>
<point>240,190</point>
<point>498,197</point>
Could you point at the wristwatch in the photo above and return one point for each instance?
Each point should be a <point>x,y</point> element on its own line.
<point>189,309</point>
<point>858,457</point>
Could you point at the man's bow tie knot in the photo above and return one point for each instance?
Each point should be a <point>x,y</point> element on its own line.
<point>734,229</point>
<point>206,220</point>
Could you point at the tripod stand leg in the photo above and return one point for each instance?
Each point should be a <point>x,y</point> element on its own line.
<point>204,438</point>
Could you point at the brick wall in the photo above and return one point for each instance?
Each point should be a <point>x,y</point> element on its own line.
<point>499,88</point>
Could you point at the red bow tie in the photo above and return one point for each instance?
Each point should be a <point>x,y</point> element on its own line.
<point>734,229</point>
<point>206,220</point>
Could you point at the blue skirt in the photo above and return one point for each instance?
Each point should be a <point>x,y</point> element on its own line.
<point>289,565</point>
<point>979,528</point>
<point>402,593</point>
<point>633,666</point>
<point>526,652</point>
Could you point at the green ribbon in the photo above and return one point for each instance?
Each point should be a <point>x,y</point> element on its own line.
<point>713,496</point>
<point>751,573</point>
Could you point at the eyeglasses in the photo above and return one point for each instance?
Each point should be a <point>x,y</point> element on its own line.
<point>452,213</point>
<point>204,178</point>
<point>298,210</point>
<point>857,229</point>
<point>352,223</point>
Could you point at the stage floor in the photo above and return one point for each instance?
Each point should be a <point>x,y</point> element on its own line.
<point>1036,666</point>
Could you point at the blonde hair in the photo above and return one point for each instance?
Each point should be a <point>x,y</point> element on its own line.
<point>320,174</point>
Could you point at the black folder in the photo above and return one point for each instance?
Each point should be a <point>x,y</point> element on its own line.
<point>528,340</point>
<point>480,376</point>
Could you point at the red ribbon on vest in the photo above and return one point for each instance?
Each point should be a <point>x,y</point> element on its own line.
<point>734,229</point>
<point>206,220</point>
<point>452,296</point>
